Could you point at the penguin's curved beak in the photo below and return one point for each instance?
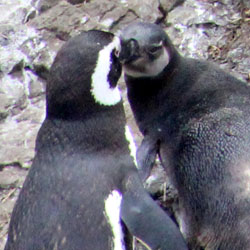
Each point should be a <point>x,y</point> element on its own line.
<point>130,51</point>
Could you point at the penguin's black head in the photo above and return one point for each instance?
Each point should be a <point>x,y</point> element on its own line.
<point>84,75</point>
<point>145,49</point>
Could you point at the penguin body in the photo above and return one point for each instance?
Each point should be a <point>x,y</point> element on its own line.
<point>83,178</point>
<point>196,118</point>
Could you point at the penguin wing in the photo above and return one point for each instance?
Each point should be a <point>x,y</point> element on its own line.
<point>146,156</point>
<point>146,220</point>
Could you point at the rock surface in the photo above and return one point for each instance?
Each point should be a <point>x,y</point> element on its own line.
<point>32,31</point>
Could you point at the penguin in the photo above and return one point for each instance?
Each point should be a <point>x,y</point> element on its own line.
<point>196,118</point>
<point>83,190</point>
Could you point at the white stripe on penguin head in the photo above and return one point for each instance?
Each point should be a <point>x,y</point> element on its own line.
<point>112,210</point>
<point>100,87</point>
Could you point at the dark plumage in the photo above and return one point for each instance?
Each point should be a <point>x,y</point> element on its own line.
<point>197,118</point>
<point>83,172</point>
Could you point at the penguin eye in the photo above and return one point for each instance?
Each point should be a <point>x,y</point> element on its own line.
<point>117,53</point>
<point>154,49</point>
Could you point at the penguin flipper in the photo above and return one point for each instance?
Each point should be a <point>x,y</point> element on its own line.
<point>146,155</point>
<point>146,220</point>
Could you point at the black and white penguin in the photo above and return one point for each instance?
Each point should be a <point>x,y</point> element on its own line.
<point>196,117</point>
<point>83,179</point>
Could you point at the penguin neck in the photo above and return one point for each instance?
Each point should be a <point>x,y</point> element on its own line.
<point>78,107</point>
<point>145,93</point>
<point>85,134</point>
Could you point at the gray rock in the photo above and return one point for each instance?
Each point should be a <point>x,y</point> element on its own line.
<point>169,5</point>
<point>4,104</point>
<point>14,12</point>
<point>12,177</point>
<point>36,85</point>
<point>246,3</point>
<point>76,1</point>
<point>43,5</point>
<point>148,11</point>
<point>18,134</point>
<point>14,92</point>
<point>213,30</point>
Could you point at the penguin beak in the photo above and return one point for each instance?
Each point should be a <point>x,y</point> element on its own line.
<point>129,52</point>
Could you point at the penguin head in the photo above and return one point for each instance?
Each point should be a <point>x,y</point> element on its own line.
<point>145,49</point>
<point>83,77</point>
